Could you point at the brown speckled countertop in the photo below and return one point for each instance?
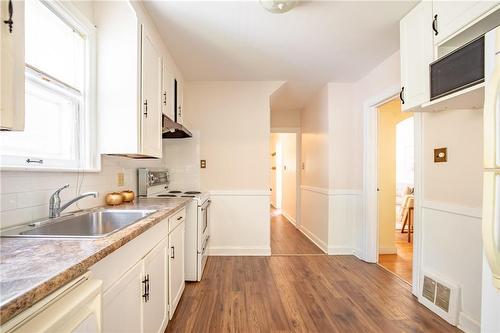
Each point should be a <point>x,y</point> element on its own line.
<point>32,268</point>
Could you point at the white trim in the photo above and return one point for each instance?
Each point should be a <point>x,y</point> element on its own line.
<point>453,209</point>
<point>320,190</point>
<point>346,192</point>
<point>240,193</point>
<point>296,130</point>
<point>239,251</point>
<point>289,218</point>
<point>313,238</point>
<point>467,324</point>
<point>340,251</point>
<point>388,250</point>
<point>369,225</point>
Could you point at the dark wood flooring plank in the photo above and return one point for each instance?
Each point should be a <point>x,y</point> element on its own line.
<point>301,294</point>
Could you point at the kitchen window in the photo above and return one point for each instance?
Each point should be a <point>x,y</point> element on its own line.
<point>60,125</point>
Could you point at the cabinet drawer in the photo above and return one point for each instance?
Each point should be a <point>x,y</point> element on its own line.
<point>176,219</point>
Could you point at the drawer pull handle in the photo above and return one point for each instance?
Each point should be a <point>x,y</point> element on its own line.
<point>173,252</point>
<point>179,218</point>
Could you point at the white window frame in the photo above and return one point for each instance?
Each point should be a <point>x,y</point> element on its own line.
<point>89,158</point>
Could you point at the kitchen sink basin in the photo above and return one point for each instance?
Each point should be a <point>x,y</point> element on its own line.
<point>94,224</point>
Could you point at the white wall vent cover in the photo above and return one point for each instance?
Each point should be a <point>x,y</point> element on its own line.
<point>440,296</point>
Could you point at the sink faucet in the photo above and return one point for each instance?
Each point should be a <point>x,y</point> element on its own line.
<point>55,208</point>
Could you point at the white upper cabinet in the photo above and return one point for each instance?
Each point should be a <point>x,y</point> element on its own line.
<point>151,123</point>
<point>416,55</point>
<point>451,16</point>
<point>168,91</point>
<point>128,76</point>
<point>178,101</point>
<point>12,65</point>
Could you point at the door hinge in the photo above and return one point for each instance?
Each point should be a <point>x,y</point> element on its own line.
<point>9,22</point>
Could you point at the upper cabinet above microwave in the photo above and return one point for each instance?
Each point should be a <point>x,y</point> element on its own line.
<point>12,65</point>
<point>450,17</point>
<point>416,54</point>
<point>430,33</point>
<point>129,74</point>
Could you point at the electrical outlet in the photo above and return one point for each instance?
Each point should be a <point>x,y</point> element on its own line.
<point>121,179</point>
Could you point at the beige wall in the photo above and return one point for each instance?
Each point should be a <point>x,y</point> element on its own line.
<point>285,118</point>
<point>233,119</point>
<point>389,115</point>
<point>315,141</point>
<point>458,181</point>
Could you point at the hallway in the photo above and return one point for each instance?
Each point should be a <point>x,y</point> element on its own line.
<point>288,240</point>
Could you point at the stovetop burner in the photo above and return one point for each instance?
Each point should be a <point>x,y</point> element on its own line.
<point>187,196</point>
<point>175,192</point>
<point>167,195</point>
<point>192,192</point>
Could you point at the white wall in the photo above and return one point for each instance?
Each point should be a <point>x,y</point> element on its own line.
<point>233,119</point>
<point>315,169</point>
<point>182,159</point>
<point>285,118</point>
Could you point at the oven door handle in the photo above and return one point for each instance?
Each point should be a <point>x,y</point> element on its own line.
<point>204,245</point>
<point>206,205</point>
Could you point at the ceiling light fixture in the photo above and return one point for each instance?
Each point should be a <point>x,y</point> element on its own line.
<point>278,6</point>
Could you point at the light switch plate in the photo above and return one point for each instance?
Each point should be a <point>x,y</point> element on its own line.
<point>203,164</point>
<point>440,155</point>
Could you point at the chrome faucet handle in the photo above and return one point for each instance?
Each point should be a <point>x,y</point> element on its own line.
<point>62,188</point>
<point>55,202</point>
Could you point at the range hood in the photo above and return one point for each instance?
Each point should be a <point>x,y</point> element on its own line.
<point>173,130</point>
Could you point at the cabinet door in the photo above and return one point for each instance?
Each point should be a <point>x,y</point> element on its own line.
<point>168,92</point>
<point>179,96</point>
<point>416,55</point>
<point>455,15</point>
<point>176,267</point>
<point>151,97</point>
<point>122,303</point>
<point>155,312</point>
<point>12,66</point>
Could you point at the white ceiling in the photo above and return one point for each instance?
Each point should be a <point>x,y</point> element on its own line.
<point>318,41</point>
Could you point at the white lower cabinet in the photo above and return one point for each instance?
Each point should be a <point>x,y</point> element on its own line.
<point>143,281</point>
<point>176,277</point>
<point>155,311</point>
<point>122,303</point>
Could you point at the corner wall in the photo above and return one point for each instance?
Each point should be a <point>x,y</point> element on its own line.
<point>233,119</point>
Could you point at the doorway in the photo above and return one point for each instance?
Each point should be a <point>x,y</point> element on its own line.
<point>395,189</point>
<point>286,237</point>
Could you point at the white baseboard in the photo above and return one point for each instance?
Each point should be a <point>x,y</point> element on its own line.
<point>340,251</point>
<point>313,238</point>
<point>289,218</point>
<point>467,324</point>
<point>388,250</point>
<point>239,251</point>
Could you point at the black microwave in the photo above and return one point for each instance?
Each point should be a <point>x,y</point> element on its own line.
<point>460,69</point>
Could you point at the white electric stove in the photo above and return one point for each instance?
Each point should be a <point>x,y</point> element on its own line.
<point>153,183</point>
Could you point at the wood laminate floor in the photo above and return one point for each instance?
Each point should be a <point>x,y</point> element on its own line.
<point>400,263</point>
<point>288,240</point>
<point>300,294</point>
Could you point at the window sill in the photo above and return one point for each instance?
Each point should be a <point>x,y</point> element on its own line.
<point>46,169</point>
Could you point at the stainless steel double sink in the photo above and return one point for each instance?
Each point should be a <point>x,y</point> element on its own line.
<point>90,224</point>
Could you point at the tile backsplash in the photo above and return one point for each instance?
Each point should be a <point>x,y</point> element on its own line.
<point>24,196</point>
<point>182,159</point>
